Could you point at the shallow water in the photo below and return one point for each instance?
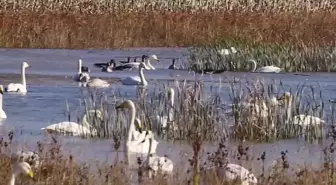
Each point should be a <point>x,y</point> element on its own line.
<point>50,86</point>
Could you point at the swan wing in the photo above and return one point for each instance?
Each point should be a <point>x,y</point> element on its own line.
<point>269,69</point>
<point>132,80</point>
<point>98,83</point>
<point>234,171</point>
<point>142,147</point>
<point>16,87</point>
<point>306,120</point>
<point>28,156</point>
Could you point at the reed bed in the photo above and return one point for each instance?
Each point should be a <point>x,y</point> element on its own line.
<point>104,6</point>
<point>288,57</point>
<point>75,30</point>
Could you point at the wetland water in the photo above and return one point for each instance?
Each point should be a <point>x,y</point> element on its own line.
<point>50,86</point>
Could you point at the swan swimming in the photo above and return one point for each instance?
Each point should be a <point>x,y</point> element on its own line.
<point>96,82</point>
<point>135,65</point>
<point>157,163</point>
<point>265,69</point>
<point>234,171</point>
<point>162,121</point>
<point>75,129</point>
<point>302,120</point>
<point>173,66</point>
<point>20,168</point>
<point>82,75</point>
<point>135,146</point>
<point>16,87</point>
<point>137,80</point>
<point>2,112</point>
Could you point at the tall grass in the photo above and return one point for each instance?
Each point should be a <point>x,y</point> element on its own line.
<point>104,6</point>
<point>69,29</point>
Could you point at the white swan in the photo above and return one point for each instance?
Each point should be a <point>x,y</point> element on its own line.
<point>16,87</point>
<point>173,66</point>
<point>265,69</point>
<point>20,168</point>
<point>234,171</point>
<point>162,121</point>
<point>29,157</point>
<point>81,75</point>
<point>2,112</point>
<point>156,163</point>
<point>136,65</point>
<point>302,120</point>
<point>227,52</point>
<point>75,129</point>
<point>96,82</point>
<point>137,80</point>
<point>135,146</point>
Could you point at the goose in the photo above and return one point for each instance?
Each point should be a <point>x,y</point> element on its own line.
<point>109,66</point>
<point>30,157</point>
<point>265,69</point>
<point>162,121</point>
<point>302,120</point>
<point>156,163</point>
<point>137,80</point>
<point>173,66</point>
<point>135,65</point>
<point>234,171</point>
<point>2,112</point>
<point>20,168</point>
<point>96,82</point>
<point>128,60</point>
<point>75,129</point>
<point>16,87</point>
<point>135,146</point>
<point>83,72</point>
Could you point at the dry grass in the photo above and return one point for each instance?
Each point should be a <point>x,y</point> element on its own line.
<point>65,29</point>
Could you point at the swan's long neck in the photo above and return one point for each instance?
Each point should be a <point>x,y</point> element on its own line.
<point>12,179</point>
<point>149,64</point>
<point>142,77</point>
<point>130,131</point>
<point>171,110</point>
<point>79,66</point>
<point>254,65</point>
<point>23,75</point>
<point>289,110</point>
<point>1,99</point>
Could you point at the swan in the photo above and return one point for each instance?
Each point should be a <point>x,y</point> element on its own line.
<point>96,82</point>
<point>2,112</point>
<point>137,80</point>
<point>265,69</point>
<point>135,146</point>
<point>234,171</point>
<point>136,65</point>
<point>21,168</point>
<point>162,121</point>
<point>227,52</point>
<point>157,163</point>
<point>75,129</point>
<point>82,72</point>
<point>29,157</point>
<point>302,120</point>
<point>173,66</point>
<point>16,87</point>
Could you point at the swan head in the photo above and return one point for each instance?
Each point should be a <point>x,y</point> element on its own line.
<point>23,168</point>
<point>287,97</point>
<point>143,66</point>
<point>138,124</point>
<point>85,69</point>
<point>233,49</point>
<point>25,65</point>
<point>126,104</point>
<point>155,58</point>
<point>1,89</point>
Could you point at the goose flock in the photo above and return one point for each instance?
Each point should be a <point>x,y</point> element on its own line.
<point>138,142</point>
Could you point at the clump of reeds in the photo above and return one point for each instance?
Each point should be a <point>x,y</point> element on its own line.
<point>289,58</point>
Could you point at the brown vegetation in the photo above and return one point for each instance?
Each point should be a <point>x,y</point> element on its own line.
<point>31,29</point>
